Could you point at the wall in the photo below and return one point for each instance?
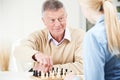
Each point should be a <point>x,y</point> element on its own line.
<point>20,17</point>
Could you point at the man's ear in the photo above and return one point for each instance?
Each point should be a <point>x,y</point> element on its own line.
<point>43,20</point>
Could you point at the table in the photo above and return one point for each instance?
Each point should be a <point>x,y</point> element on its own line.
<point>21,76</point>
<point>16,76</point>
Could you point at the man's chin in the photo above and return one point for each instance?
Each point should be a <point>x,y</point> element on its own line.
<point>57,33</point>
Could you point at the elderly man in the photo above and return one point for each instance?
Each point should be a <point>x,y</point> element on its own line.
<point>56,45</point>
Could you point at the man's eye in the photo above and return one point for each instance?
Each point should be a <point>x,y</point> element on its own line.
<point>52,20</point>
<point>61,19</point>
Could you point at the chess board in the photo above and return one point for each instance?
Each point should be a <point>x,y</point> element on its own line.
<point>55,74</point>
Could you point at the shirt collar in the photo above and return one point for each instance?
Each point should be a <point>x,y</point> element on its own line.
<point>101,19</point>
<point>66,36</point>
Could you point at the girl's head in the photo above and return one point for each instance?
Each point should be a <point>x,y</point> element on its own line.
<point>92,9</point>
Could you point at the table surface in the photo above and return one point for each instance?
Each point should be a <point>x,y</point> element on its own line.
<point>16,76</point>
<point>20,76</point>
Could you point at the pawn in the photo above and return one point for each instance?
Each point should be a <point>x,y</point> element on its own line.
<point>58,73</point>
<point>52,69</point>
<point>61,72</point>
<point>40,73</point>
<point>35,73</point>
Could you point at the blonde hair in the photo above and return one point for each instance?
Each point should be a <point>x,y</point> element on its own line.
<point>111,22</point>
<point>112,27</point>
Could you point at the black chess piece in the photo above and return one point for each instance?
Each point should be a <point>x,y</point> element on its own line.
<point>39,73</point>
<point>31,70</point>
<point>66,70</point>
<point>61,72</point>
<point>52,69</point>
<point>48,74</point>
<point>35,73</point>
<point>57,69</point>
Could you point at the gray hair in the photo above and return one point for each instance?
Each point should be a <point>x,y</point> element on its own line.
<point>52,5</point>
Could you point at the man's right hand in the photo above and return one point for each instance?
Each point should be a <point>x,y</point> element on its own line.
<point>44,62</point>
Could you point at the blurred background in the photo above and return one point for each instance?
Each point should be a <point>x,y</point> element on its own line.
<point>18,18</point>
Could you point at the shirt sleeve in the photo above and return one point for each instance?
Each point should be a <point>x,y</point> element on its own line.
<point>93,58</point>
<point>23,50</point>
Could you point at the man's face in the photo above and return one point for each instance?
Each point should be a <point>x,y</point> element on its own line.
<point>55,21</point>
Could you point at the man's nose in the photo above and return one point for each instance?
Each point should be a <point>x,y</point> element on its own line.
<point>57,22</point>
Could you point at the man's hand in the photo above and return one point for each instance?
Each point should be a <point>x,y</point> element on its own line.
<point>44,63</point>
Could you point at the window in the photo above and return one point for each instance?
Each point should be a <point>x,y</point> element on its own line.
<point>118,8</point>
